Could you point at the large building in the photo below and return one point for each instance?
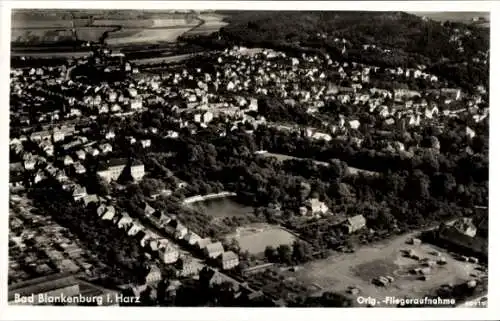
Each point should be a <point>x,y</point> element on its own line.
<point>114,168</point>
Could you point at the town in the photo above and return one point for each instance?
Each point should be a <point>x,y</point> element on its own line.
<point>247,176</point>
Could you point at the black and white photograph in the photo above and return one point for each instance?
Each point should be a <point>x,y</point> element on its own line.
<point>248,158</point>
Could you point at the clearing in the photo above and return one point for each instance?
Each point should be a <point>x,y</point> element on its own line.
<point>255,237</point>
<point>351,170</point>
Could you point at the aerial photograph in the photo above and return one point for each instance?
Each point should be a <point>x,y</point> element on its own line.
<point>225,158</point>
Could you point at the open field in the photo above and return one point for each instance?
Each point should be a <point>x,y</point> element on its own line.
<point>351,170</point>
<point>255,237</point>
<point>211,23</point>
<point>166,59</point>
<point>48,35</point>
<point>132,23</point>
<point>341,271</point>
<point>149,36</point>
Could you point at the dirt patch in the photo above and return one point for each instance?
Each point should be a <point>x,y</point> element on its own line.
<point>369,270</point>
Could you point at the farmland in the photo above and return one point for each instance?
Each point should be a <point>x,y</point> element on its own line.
<point>254,238</point>
<point>211,23</point>
<point>122,29</point>
<point>149,36</point>
<point>339,272</point>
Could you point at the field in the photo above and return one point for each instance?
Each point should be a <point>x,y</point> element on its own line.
<point>149,36</point>
<point>133,23</point>
<point>39,27</point>
<point>339,272</point>
<point>254,238</point>
<point>166,59</point>
<point>66,55</point>
<point>351,170</point>
<point>211,23</point>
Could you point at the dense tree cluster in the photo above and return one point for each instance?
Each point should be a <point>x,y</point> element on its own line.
<point>299,252</point>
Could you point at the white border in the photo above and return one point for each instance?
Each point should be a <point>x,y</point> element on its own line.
<point>233,314</point>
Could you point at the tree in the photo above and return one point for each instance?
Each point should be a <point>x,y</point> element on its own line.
<point>285,254</point>
<point>330,299</point>
<point>270,253</point>
<point>302,251</point>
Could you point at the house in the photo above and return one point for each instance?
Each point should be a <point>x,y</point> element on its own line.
<point>321,136</point>
<point>354,223</point>
<point>135,228</point>
<point>112,170</point>
<point>169,254</point>
<point>399,94</point>
<point>190,267</point>
<point>79,192</point>
<point>136,104</point>
<point>212,277</point>
<point>124,221</point>
<point>58,135</point>
<point>146,143</point>
<point>148,210</point>
<point>469,132</point>
<point>29,163</point>
<point>110,135</point>
<point>158,243</point>
<point>40,176</point>
<point>451,93</point>
<point>229,260</point>
<point>39,136</point>
<point>132,92</point>
<point>213,250</point>
<point>68,160</point>
<point>92,198</point>
<point>202,243</point>
<point>154,275</point>
<point>80,154</point>
<point>106,148</point>
<point>465,226</point>
<point>180,231</point>
<point>192,238</point>
<point>79,168</point>
<point>316,206</point>
<point>137,171</point>
<point>106,212</point>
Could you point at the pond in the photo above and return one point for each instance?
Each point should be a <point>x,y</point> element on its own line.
<point>225,207</point>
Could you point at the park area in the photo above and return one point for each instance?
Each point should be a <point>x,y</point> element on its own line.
<point>255,238</point>
<point>414,277</point>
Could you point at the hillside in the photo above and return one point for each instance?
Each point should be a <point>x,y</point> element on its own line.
<point>410,39</point>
